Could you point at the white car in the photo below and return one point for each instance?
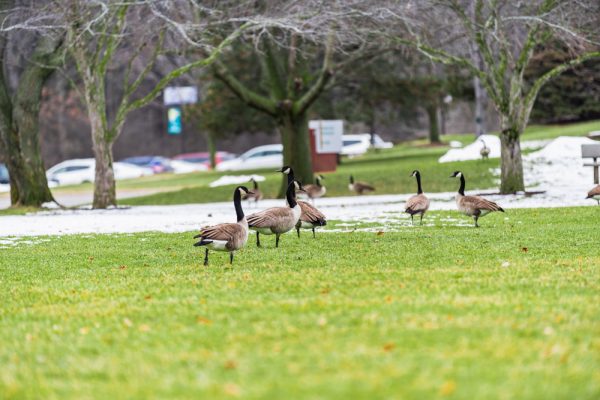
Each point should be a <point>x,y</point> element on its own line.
<point>185,167</point>
<point>268,156</point>
<point>356,145</point>
<point>75,172</point>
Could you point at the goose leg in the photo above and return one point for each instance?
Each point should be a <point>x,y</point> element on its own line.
<point>298,231</point>
<point>313,229</point>
<point>257,239</point>
<point>231,258</point>
<point>421,219</point>
<point>412,221</point>
<point>206,257</point>
<point>277,240</point>
<point>476,218</point>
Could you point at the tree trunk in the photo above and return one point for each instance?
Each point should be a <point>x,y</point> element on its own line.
<point>296,148</point>
<point>212,148</point>
<point>104,179</point>
<point>434,125</point>
<point>511,161</point>
<point>480,107</point>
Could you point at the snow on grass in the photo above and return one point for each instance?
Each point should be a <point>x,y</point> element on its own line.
<point>472,151</point>
<point>235,180</point>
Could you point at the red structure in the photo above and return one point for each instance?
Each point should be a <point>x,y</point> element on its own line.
<point>321,162</point>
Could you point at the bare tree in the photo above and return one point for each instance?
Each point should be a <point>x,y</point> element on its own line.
<point>20,105</point>
<point>507,35</point>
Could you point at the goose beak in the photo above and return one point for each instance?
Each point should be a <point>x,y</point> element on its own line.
<point>249,192</point>
<point>452,176</point>
<point>302,190</point>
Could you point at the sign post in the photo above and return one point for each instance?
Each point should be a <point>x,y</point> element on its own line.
<point>174,97</point>
<point>326,143</point>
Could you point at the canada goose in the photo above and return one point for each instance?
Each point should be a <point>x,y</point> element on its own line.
<point>226,237</point>
<point>473,206</point>
<point>360,187</point>
<point>255,195</point>
<point>310,217</point>
<point>317,190</point>
<point>594,194</point>
<point>485,151</point>
<point>419,203</point>
<point>276,220</point>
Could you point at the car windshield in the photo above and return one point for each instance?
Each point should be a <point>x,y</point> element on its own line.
<point>349,142</point>
<point>195,159</point>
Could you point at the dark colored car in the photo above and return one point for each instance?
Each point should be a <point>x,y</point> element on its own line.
<point>157,164</point>
<point>204,157</point>
<point>4,174</point>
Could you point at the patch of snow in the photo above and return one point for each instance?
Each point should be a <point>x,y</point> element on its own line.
<point>235,180</point>
<point>558,169</point>
<point>472,151</point>
<point>455,144</point>
<point>4,187</point>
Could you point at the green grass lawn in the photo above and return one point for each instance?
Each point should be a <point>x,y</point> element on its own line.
<point>507,311</point>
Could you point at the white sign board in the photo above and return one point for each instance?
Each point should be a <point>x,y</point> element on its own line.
<point>177,95</point>
<point>328,135</point>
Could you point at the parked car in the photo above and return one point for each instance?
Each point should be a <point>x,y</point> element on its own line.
<point>204,157</point>
<point>157,164</point>
<point>75,172</point>
<point>355,145</point>
<point>268,156</point>
<point>184,167</point>
<point>4,174</point>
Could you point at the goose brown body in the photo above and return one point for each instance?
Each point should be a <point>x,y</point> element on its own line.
<point>317,190</point>
<point>419,203</point>
<point>594,194</point>
<point>310,218</point>
<point>228,236</point>
<point>360,187</point>
<point>276,220</point>
<point>255,195</point>
<point>473,206</point>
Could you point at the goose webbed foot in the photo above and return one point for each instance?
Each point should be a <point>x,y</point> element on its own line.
<point>206,257</point>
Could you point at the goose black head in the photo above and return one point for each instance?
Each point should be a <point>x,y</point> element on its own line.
<point>286,169</point>
<point>243,190</point>
<point>351,179</point>
<point>414,173</point>
<point>321,177</point>
<point>456,174</point>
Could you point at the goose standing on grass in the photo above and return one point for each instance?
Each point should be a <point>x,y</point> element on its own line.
<point>310,217</point>
<point>226,237</point>
<point>594,194</point>
<point>473,206</point>
<point>276,220</point>
<point>485,151</point>
<point>419,203</point>
<point>359,187</point>
<point>255,195</point>
<point>317,190</point>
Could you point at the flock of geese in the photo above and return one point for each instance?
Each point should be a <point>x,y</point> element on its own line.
<point>298,214</point>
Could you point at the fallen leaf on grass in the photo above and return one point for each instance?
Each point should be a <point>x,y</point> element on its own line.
<point>380,233</point>
<point>524,249</point>
<point>448,388</point>
<point>388,347</point>
<point>230,364</point>
<point>203,321</point>
<point>122,267</point>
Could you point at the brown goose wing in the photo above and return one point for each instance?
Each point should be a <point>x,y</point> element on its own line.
<point>311,214</point>
<point>480,203</point>
<point>594,192</point>
<point>362,187</point>
<point>417,203</point>
<point>220,232</point>
<point>268,217</point>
